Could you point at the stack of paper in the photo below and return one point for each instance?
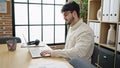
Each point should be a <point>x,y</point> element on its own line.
<point>55,65</point>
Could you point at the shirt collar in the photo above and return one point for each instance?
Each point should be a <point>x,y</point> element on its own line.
<point>76,25</point>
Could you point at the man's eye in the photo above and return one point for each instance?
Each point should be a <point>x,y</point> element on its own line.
<point>65,15</point>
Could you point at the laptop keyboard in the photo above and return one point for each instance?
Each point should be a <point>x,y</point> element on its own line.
<point>35,52</point>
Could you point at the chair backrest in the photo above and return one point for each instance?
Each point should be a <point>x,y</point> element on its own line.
<point>94,58</point>
<point>78,62</point>
<point>4,39</point>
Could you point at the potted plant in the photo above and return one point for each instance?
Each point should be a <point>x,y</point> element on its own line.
<point>83,8</point>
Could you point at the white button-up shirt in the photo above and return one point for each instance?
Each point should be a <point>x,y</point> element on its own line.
<point>79,42</point>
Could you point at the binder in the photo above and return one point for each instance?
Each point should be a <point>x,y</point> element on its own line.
<point>111,10</point>
<point>116,11</point>
<point>92,25</point>
<point>96,28</point>
<point>106,10</point>
<point>97,32</point>
<point>118,46</point>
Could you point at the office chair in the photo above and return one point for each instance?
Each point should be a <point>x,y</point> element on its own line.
<point>78,62</point>
<point>94,57</point>
<point>82,63</point>
<point>4,39</point>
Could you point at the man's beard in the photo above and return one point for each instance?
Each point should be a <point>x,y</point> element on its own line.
<point>71,20</point>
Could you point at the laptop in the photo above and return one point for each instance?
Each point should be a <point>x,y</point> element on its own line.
<point>24,45</point>
<point>36,50</point>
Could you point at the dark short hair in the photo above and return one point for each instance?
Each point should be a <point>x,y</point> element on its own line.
<point>71,6</point>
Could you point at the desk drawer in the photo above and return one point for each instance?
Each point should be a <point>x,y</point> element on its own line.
<point>106,58</point>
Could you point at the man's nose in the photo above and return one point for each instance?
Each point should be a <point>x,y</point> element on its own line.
<point>64,18</point>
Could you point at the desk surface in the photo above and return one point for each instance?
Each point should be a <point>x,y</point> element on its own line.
<point>22,59</point>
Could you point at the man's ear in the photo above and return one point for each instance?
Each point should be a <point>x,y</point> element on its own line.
<point>74,13</point>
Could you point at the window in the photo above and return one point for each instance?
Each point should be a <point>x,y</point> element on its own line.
<point>39,19</point>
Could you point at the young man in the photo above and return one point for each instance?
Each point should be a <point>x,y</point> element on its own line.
<point>80,37</point>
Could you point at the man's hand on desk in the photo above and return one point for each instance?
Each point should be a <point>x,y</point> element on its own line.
<point>46,53</point>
